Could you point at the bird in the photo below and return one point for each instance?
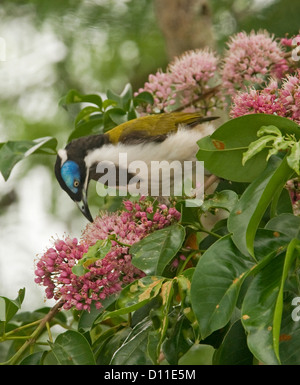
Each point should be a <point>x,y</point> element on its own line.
<point>169,136</point>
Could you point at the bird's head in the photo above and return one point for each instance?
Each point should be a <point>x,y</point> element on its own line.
<point>73,177</point>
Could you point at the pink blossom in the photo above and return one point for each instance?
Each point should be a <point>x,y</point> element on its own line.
<point>109,274</point>
<point>254,102</point>
<point>193,69</point>
<point>250,60</point>
<point>160,86</point>
<point>273,99</point>
<point>290,96</point>
<point>191,74</point>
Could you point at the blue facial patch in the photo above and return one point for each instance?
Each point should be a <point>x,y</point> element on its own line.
<point>70,173</point>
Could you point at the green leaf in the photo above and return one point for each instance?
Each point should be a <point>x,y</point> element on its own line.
<point>93,126</point>
<point>222,152</point>
<point>143,98</point>
<point>71,348</point>
<point>287,224</point>
<point>245,217</point>
<point>85,113</point>
<point>12,152</point>
<point>123,100</point>
<point>108,342</point>
<point>293,158</point>
<point>8,308</point>
<point>177,342</point>
<point>33,359</point>
<point>234,349</point>
<point>198,354</point>
<point>216,283</point>
<point>98,251</point>
<point>258,310</point>
<point>290,332</point>
<point>109,103</point>
<point>271,130</point>
<point>117,115</point>
<point>153,253</point>
<point>292,252</point>
<point>256,146</point>
<point>133,350</point>
<point>225,199</point>
<point>73,96</point>
<point>134,296</point>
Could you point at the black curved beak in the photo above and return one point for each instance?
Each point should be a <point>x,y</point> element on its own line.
<point>84,207</point>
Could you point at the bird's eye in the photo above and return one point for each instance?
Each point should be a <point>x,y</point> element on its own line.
<point>76,183</point>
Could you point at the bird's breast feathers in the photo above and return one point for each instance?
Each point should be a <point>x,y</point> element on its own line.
<point>180,145</point>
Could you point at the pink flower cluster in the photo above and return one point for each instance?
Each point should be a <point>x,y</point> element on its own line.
<point>191,73</point>
<point>250,60</point>
<point>184,81</point>
<point>108,275</point>
<point>161,87</point>
<point>283,101</point>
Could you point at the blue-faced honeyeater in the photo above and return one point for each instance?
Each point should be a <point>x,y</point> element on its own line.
<point>158,137</point>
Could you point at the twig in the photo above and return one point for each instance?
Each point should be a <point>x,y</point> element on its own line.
<point>210,180</point>
<point>205,95</point>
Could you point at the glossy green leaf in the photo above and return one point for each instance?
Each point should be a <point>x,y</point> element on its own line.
<point>134,296</point>
<point>177,342</point>
<point>94,253</point>
<point>245,217</point>
<point>256,147</point>
<point>93,126</point>
<point>287,224</point>
<point>258,310</point>
<point>198,354</point>
<point>73,96</point>
<point>216,283</point>
<point>117,115</point>
<point>123,100</point>
<point>269,130</point>
<point>289,346</point>
<point>234,349</point>
<point>225,147</point>
<point>8,308</point>
<point>292,252</point>
<point>268,241</point>
<point>293,158</point>
<point>143,98</point>
<point>225,199</point>
<point>85,113</point>
<point>33,359</point>
<point>72,348</point>
<point>13,152</point>
<point>108,342</point>
<point>134,349</point>
<point>153,253</point>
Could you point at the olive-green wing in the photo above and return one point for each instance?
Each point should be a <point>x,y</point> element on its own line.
<point>153,127</point>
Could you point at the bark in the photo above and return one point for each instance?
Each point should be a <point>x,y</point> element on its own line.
<point>185,24</point>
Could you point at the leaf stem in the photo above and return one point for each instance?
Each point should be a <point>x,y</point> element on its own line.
<point>194,252</point>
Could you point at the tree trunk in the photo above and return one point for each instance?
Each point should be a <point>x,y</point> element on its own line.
<point>185,24</point>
